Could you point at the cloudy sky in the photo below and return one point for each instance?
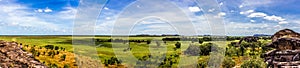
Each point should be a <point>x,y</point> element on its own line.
<point>240,17</point>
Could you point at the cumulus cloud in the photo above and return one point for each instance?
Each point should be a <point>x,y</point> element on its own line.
<point>283,22</point>
<point>46,10</point>
<point>194,9</point>
<point>19,18</point>
<point>257,14</point>
<point>106,8</point>
<point>253,14</point>
<point>274,18</point>
<point>221,14</point>
<point>211,10</point>
<point>252,20</point>
<point>221,4</point>
<point>247,12</point>
<point>241,6</point>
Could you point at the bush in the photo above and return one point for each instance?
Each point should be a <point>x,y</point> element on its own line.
<point>66,66</point>
<point>56,47</point>
<point>228,62</point>
<point>148,41</point>
<point>112,61</point>
<point>202,63</point>
<point>49,47</point>
<point>178,45</point>
<point>205,48</point>
<point>253,63</point>
<point>63,57</point>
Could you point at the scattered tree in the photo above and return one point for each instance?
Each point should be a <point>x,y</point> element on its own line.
<point>63,57</point>
<point>178,44</point>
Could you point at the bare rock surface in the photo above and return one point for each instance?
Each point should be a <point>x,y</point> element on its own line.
<point>12,56</point>
<point>287,49</point>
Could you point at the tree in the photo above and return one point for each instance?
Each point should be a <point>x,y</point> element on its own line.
<point>200,41</point>
<point>206,48</point>
<point>57,52</point>
<point>63,57</point>
<point>178,44</point>
<point>228,63</point>
<point>56,48</point>
<point>148,41</point>
<point>32,50</point>
<point>50,53</point>
<point>66,66</point>
<point>49,47</point>
<point>230,51</point>
<point>53,66</point>
<point>38,54</point>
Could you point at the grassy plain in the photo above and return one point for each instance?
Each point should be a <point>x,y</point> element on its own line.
<point>103,50</point>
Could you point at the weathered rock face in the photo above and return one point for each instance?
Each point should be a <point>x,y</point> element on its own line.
<point>285,33</point>
<point>287,49</point>
<point>12,56</point>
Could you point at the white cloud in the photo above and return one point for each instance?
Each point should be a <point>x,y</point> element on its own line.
<point>257,14</point>
<point>16,17</point>
<point>47,10</point>
<point>274,18</point>
<point>194,9</point>
<point>282,22</point>
<point>221,4</point>
<point>241,6</point>
<point>252,20</point>
<point>106,8</point>
<point>211,10</point>
<point>252,14</point>
<point>247,12</point>
<point>221,14</point>
<point>38,10</point>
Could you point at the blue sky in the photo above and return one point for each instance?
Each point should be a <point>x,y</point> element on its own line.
<point>240,17</point>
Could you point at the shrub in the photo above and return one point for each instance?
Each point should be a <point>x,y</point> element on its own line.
<point>228,62</point>
<point>56,48</point>
<point>148,41</point>
<point>49,47</point>
<point>205,48</point>
<point>253,63</point>
<point>63,57</point>
<point>66,66</point>
<point>178,45</point>
<point>202,63</point>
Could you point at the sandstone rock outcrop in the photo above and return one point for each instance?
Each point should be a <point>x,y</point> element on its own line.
<point>287,50</point>
<point>12,56</point>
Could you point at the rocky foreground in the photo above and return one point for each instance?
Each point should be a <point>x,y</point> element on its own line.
<point>12,56</point>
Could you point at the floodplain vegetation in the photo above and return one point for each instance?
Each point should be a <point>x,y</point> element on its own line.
<point>58,51</point>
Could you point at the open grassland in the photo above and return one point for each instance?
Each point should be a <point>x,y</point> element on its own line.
<point>106,51</point>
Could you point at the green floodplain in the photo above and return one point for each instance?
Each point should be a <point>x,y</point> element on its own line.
<point>150,51</point>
